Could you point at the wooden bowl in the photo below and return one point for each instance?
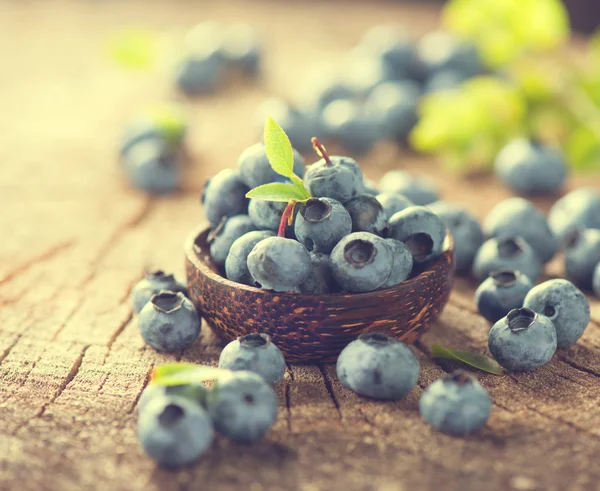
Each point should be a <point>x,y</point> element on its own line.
<point>315,328</point>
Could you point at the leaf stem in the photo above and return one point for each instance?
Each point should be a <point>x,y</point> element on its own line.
<point>286,217</point>
<point>321,150</point>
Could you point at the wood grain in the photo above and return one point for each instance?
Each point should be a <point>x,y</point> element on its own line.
<point>75,239</point>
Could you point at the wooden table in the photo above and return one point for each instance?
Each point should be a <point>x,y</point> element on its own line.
<point>75,239</point>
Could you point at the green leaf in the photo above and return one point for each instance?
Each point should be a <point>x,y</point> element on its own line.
<point>134,48</point>
<point>186,373</point>
<point>481,362</point>
<point>279,149</point>
<point>278,191</point>
<point>171,120</point>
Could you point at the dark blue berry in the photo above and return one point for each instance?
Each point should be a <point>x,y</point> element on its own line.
<point>503,291</point>
<point>582,254</point>
<point>224,195</point>
<point>344,120</point>
<point>421,230</point>
<point>256,170</point>
<point>152,283</point>
<point>320,280</point>
<point>222,237</point>
<point>420,190</point>
<point>506,252</point>
<point>578,209</point>
<point>367,215</point>
<point>393,202</point>
<point>336,177</point>
<point>236,265</point>
<point>152,167</point>
<point>321,223</point>
<point>402,263</point>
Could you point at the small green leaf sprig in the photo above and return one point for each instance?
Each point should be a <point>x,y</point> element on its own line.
<point>475,360</point>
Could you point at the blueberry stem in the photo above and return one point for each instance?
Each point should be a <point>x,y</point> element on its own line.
<point>286,218</point>
<point>321,150</point>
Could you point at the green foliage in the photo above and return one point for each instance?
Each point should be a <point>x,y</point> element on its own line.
<point>134,48</point>
<point>475,360</point>
<point>186,373</point>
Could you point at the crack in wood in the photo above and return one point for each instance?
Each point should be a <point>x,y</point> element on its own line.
<point>8,349</point>
<point>577,366</point>
<point>139,394</point>
<point>288,399</point>
<point>329,386</point>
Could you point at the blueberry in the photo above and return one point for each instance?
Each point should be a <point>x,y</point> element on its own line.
<point>193,392</point>
<point>174,431</point>
<point>266,215</point>
<point>579,208</point>
<point>224,195</point>
<point>501,292</point>
<point>152,283</point>
<point>362,73</point>
<point>370,187</point>
<point>523,340</point>
<point>320,280</point>
<point>394,106</point>
<point>345,121</point>
<point>321,223</point>
<point>138,132</point>
<point>222,237</point>
<point>367,215</point>
<point>334,177</point>
<point>507,252</point>
<point>242,406</point>
<point>254,353</point>
<point>393,202</point>
<point>456,404</point>
<point>196,75</point>
<point>530,168</point>
<point>518,216</point>
<point>378,366</point>
<point>565,305</point>
<point>421,230</point>
<point>402,263</point>
<point>361,262</point>
<point>325,84</point>
<point>236,265</point>
<point>420,190</point>
<point>444,80</point>
<point>169,322</point>
<point>256,170</point>
<point>241,48</point>
<point>465,229</point>
<point>279,264</point>
<point>440,51</point>
<point>582,253</point>
<point>152,167</point>
<point>206,39</point>
<point>596,280</point>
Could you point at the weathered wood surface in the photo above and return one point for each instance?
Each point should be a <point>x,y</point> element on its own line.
<point>75,239</point>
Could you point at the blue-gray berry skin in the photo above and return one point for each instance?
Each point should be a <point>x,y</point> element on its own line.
<point>420,190</point>
<point>578,209</point>
<point>198,75</point>
<point>378,366</point>
<point>582,254</point>
<point>321,223</point>
<point>421,230</point>
<point>523,340</point>
<point>361,262</point>
<point>596,280</point>
<point>393,202</point>
<point>194,392</point>
<point>225,234</point>
<point>224,195</point>
<point>139,132</point>
<point>236,264</point>
<point>506,253</point>
<point>367,215</point>
<point>266,215</point>
<point>345,121</point>
<point>530,168</point>
<point>465,229</point>
<point>169,322</point>
<point>370,187</point>
<point>241,48</point>
<point>279,264</point>
<point>254,353</point>
<point>256,170</point>
<point>565,305</point>
<point>152,283</point>
<point>518,216</point>
<point>243,406</point>
<point>320,280</point>
<point>394,106</point>
<point>444,80</point>
<point>456,404</point>
<point>402,263</point>
<point>174,431</point>
<point>339,178</point>
<point>501,292</point>
<point>152,167</point>
<point>441,51</point>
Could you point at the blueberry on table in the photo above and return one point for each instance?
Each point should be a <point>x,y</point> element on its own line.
<point>137,133</point>
<point>265,215</point>
<point>241,48</point>
<point>174,431</point>
<point>321,223</point>
<point>444,80</point>
<point>393,202</point>
<point>196,75</point>
<point>254,353</point>
<point>193,392</point>
<point>236,263</point>
<point>402,263</point>
<point>506,252</point>
<point>582,254</point>
<point>378,366</point>
<point>243,406</point>
<point>531,168</point>
<point>152,283</point>
<point>367,215</point>
<point>370,187</point>
<point>224,195</point>
<point>420,190</point>
<point>421,230</point>
<point>596,280</point>
<point>169,322</point>
<point>441,51</point>
<point>465,229</point>
<point>523,340</point>
<point>256,170</point>
<point>279,264</point>
<point>502,292</point>
<point>152,167</point>
<point>222,237</point>
<point>456,404</point>
<point>361,262</point>
<point>320,280</point>
<point>578,209</point>
<point>565,305</point>
<point>518,216</point>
